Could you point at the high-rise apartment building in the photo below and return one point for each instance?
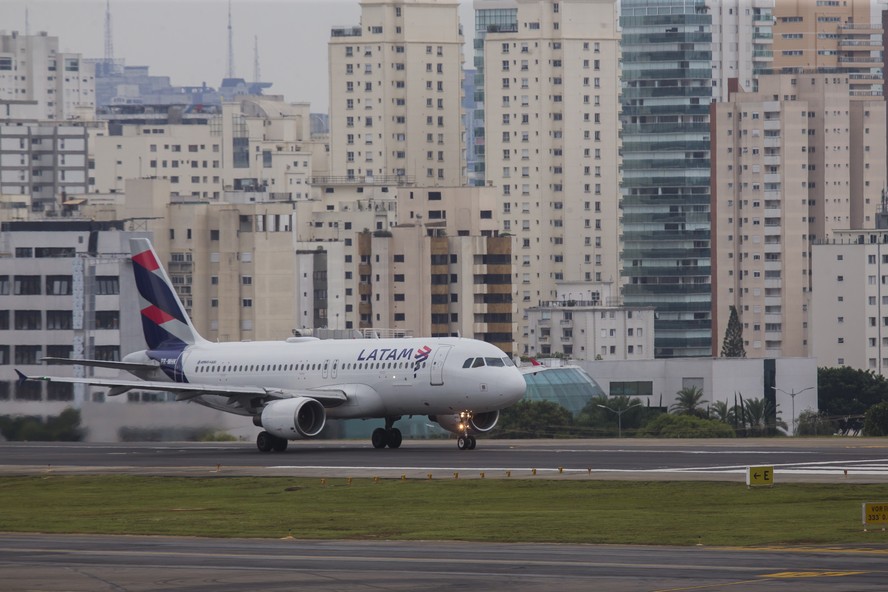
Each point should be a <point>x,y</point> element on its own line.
<point>552,143</point>
<point>742,42</point>
<point>37,81</point>
<point>667,90</point>
<point>395,93</point>
<point>797,162</point>
<point>495,16</point>
<point>830,36</point>
<point>759,218</point>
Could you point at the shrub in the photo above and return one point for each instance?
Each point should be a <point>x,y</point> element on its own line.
<point>685,426</point>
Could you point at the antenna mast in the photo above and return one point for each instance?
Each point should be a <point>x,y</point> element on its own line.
<point>230,44</point>
<point>256,71</point>
<point>109,43</point>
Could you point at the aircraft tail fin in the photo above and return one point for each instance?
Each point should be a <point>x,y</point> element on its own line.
<point>165,323</point>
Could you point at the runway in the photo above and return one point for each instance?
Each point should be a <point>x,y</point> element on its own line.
<point>107,563</point>
<point>861,460</point>
<point>133,563</point>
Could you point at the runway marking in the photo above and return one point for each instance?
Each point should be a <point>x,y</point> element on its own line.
<point>813,574</point>
<point>718,586</point>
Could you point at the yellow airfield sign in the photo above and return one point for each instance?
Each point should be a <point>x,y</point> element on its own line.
<point>759,476</point>
<point>875,514</point>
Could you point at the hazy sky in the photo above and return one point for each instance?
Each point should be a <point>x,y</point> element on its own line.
<point>188,39</point>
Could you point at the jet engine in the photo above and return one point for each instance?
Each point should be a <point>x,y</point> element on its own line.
<point>299,417</point>
<point>478,423</point>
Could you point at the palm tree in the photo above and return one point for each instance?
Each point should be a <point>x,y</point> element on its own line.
<point>721,411</point>
<point>761,418</point>
<point>689,401</point>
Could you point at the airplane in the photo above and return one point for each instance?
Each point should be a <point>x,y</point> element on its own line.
<point>291,387</point>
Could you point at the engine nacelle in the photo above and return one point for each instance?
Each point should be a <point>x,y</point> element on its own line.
<point>299,417</point>
<point>480,423</point>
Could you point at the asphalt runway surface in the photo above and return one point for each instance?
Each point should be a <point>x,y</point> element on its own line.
<point>133,563</point>
<point>862,460</point>
<point>113,563</point>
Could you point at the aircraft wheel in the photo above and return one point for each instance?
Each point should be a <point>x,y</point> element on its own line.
<point>470,445</point>
<point>264,442</point>
<point>462,442</point>
<point>280,444</point>
<point>394,438</point>
<point>379,438</point>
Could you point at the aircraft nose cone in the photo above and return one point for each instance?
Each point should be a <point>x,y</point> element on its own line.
<point>515,386</point>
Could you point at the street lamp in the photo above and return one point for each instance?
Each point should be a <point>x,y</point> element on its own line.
<point>620,413</point>
<point>792,396</point>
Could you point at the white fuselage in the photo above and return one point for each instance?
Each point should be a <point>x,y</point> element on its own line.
<point>380,377</point>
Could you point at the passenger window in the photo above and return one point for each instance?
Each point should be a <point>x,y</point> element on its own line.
<point>478,363</point>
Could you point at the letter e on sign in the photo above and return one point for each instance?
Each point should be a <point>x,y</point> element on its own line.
<point>759,476</point>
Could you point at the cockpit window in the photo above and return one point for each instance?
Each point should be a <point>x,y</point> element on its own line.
<point>508,361</point>
<point>468,363</point>
<point>478,363</point>
<point>497,362</point>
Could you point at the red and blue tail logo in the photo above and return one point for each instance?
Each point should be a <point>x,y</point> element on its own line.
<point>164,321</point>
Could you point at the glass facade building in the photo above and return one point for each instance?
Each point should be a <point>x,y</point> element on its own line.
<point>486,19</point>
<point>667,91</point>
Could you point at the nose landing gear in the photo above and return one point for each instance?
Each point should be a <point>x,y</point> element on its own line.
<point>465,441</point>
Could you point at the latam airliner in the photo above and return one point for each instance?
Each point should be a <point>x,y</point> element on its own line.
<point>291,387</point>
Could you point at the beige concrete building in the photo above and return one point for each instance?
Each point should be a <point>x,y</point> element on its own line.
<point>584,324</point>
<point>39,82</point>
<point>836,36</point>
<point>47,161</point>
<point>793,163</point>
<point>551,88</point>
<point>395,91</point>
<point>849,303</point>
<point>759,216</point>
<point>254,145</point>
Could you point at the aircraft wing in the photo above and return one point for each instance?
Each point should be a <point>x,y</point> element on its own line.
<point>187,390</point>
<point>128,366</point>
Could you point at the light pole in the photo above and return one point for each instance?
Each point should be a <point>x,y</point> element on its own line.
<point>620,413</point>
<point>792,395</point>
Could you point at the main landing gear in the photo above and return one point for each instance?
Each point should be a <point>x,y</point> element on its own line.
<point>265,442</point>
<point>388,436</point>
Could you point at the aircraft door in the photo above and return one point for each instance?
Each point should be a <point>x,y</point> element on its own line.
<point>437,365</point>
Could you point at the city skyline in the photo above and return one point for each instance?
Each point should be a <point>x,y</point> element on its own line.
<point>286,31</point>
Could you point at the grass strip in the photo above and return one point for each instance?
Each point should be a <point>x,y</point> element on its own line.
<point>612,512</point>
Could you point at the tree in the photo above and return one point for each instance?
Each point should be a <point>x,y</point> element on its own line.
<point>721,411</point>
<point>812,423</point>
<point>732,346</point>
<point>844,391</point>
<point>64,427</point>
<point>534,419</point>
<point>689,401</point>
<point>876,421</point>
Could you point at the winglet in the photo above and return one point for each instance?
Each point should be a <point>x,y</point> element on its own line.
<point>21,377</point>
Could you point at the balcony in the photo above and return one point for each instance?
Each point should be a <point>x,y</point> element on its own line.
<point>345,32</point>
